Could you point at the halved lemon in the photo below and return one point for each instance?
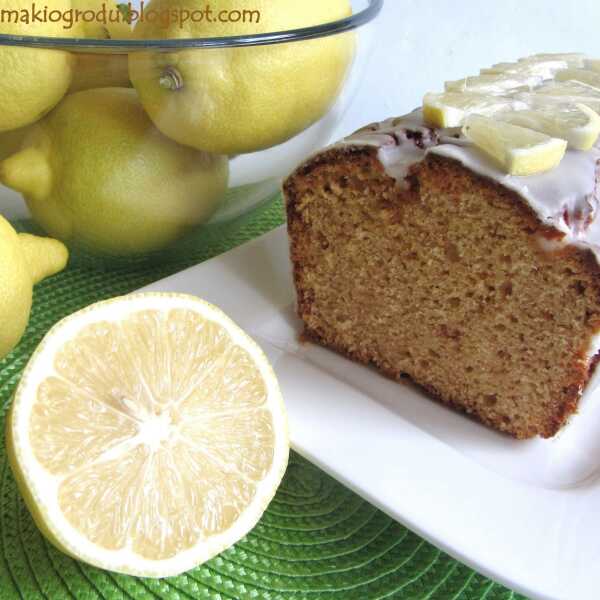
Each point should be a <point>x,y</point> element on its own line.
<point>148,434</point>
<point>450,108</point>
<point>576,123</point>
<point>518,150</point>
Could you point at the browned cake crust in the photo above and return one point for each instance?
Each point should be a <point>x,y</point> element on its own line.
<point>446,282</point>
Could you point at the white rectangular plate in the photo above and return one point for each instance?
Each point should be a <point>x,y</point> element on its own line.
<point>525,513</point>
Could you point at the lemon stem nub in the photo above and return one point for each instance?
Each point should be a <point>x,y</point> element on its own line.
<point>27,172</point>
<point>171,79</point>
<point>44,256</point>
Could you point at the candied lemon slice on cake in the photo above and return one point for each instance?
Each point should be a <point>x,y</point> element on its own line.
<point>536,68</point>
<point>578,124</point>
<point>572,89</point>
<point>518,150</point>
<point>572,59</point>
<point>449,109</point>
<point>556,95</point>
<point>592,64</point>
<point>148,434</point>
<point>494,84</point>
<point>582,75</point>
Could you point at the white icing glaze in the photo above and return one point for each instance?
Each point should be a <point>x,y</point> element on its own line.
<point>564,198</point>
<point>402,142</point>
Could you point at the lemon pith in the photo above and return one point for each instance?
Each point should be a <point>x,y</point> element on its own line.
<point>161,454</point>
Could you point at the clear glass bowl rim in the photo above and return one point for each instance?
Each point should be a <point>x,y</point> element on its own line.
<point>364,16</point>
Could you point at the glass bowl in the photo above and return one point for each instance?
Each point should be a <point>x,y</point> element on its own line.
<point>158,145</point>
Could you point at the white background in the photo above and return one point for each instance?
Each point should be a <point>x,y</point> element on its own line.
<point>422,43</point>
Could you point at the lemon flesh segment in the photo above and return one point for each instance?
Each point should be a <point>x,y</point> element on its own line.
<point>518,150</point>
<point>449,109</point>
<point>578,124</point>
<point>148,433</point>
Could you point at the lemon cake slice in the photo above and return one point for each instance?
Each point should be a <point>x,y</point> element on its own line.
<point>465,258</point>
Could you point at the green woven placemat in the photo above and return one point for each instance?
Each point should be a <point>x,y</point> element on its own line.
<point>317,540</point>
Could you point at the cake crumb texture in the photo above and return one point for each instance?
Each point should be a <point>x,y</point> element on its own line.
<point>446,280</point>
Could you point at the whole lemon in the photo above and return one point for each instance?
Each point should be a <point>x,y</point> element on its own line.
<point>24,260</point>
<point>102,70</point>
<point>96,173</point>
<point>110,19</point>
<point>32,80</point>
<point>12,141</point>
<point>237,100</point>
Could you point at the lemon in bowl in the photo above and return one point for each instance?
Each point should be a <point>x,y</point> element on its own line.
<point>32,80</point>
<point>248,99</point>
<point>96,70</point>
<point>233,102</point>
<point>97,174</point>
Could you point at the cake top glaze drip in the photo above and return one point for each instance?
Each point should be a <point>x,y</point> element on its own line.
<point>565,198</point>
<point>402,142</point>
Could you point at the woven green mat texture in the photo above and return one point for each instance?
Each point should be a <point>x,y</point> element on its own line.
<point>317,540</point>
